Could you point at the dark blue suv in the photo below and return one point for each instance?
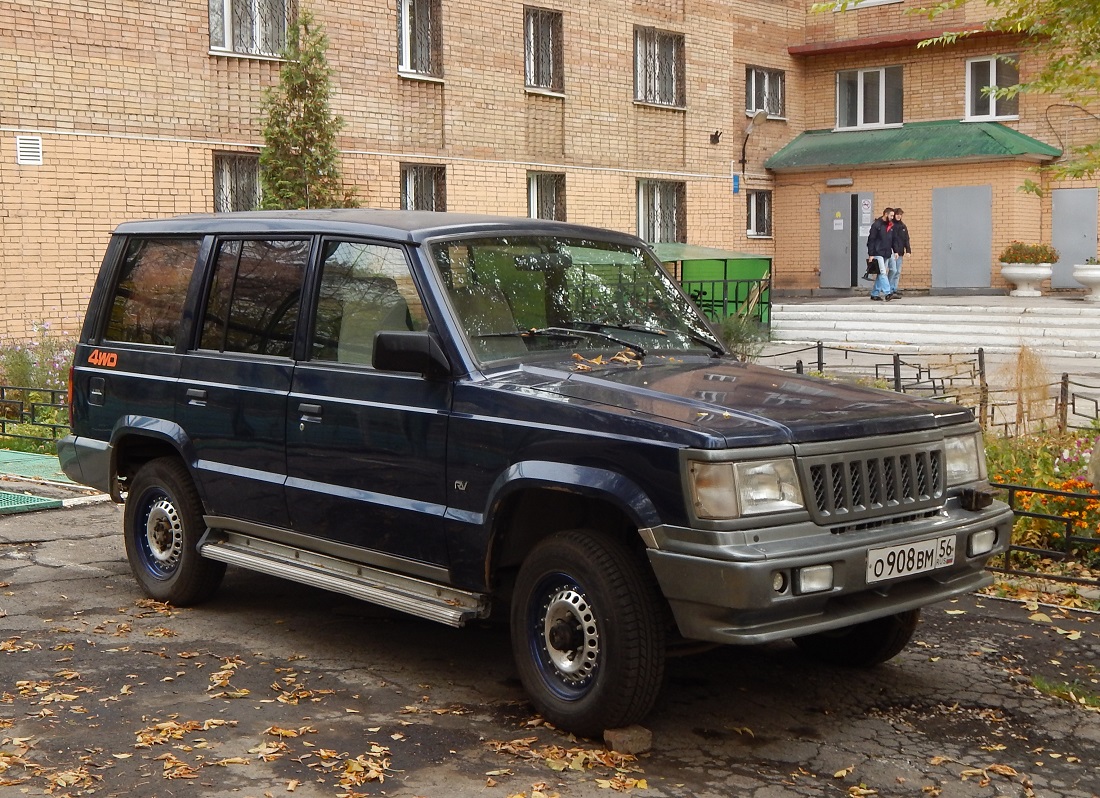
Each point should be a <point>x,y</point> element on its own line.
<point>439,412</point>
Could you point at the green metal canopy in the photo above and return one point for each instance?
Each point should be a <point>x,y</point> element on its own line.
<point>669,251</point>
<point>912,143</point>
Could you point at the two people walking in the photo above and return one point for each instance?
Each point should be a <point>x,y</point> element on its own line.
<point>887,245</point>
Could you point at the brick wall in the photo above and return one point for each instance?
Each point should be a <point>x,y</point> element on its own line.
<point>131,105</point>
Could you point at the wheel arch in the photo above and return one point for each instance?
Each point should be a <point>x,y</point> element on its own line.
<point>136,440</point>
<point>533,500</point>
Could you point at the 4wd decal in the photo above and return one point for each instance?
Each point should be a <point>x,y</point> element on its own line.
<point>105,359</point>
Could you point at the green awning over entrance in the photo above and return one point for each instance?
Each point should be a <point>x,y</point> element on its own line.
<point>669,252</point>
<point>912,143</point>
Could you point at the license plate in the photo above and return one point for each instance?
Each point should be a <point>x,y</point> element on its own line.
<point>910,558</point>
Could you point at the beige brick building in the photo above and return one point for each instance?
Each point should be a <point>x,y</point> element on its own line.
<point>629,114</point>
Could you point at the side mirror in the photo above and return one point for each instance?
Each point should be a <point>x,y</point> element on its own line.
<point>417,352</point>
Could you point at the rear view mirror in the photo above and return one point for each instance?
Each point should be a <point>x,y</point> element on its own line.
<point>416,352</point>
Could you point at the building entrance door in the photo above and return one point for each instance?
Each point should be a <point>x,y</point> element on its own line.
<point>845,220</point>
<point>1073,233</point>
<point>962,236</point>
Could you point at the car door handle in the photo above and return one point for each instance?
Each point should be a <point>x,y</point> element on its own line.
<point>196,397</point>
<point>310,412</point>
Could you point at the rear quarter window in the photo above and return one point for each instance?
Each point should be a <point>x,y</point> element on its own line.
<point>151,289</point>
<point>253,302</point>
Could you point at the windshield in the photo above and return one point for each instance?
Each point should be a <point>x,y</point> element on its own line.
<point>519,294</point>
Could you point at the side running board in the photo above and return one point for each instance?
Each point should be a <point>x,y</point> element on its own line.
<point>396,591</point>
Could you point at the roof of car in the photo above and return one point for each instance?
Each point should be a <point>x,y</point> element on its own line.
<point>410,226</point>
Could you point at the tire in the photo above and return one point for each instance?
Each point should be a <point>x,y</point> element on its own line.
<point>162,526</point>
<point>588,632</point>
<point>864,644</point>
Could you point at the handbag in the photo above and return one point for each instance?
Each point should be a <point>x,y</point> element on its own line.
<point>872,269</point>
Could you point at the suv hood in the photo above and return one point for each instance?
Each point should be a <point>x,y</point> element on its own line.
<point>732,402</point>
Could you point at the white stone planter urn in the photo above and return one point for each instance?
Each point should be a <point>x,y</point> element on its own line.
<point>1088,274</point>
<point>1026,277</point>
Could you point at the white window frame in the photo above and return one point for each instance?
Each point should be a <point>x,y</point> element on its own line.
<point>775,86</point>
<point>759,227</point>
<point>264,41</point>
<point>653,196</point>
<point>860,124</point>
<point>993,61</point>
<point>411,196</point>
<point>225,178</point>
<point>855,5</point>
<point>539,185</point>
<point>406,18</point>
<point>542,38</point>
<point>651,67</point>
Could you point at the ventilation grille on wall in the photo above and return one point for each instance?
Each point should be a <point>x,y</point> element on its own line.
<point>28,150</point>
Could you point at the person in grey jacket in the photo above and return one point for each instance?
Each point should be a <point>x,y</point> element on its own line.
<point>880,247</point>
<point>899,243</point>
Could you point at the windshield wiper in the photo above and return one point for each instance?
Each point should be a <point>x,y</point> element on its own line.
<point>575,333</point>
<point>716,349</point>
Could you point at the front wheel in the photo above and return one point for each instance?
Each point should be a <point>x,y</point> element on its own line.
<point>162,525</point>
<point>864,644</point>
<point>588,632</point>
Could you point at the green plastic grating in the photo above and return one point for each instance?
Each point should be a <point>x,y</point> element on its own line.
<point>21,503</point>
<point>37,466</point>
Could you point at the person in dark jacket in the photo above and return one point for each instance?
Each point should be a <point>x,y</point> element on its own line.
<point>899,243</point>
<point>880,247</point>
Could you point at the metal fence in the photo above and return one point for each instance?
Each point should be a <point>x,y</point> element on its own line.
<point>719,299</point>
<point>1081,546</point>
<point>33,414</point>
<point>1066,404</point>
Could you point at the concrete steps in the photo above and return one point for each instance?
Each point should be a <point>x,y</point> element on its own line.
<point>1062,328</point>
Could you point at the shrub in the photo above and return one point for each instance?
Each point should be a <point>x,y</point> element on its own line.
<point>1019,252</point>
<point>39,362</point>
<point>1057,462</point>
<point>744,337</point>
<point>29,369</point>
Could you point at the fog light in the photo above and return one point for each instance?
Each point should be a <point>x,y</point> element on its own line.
<point>981,542</point>
<point>815,579</point>
<point>779,582</point>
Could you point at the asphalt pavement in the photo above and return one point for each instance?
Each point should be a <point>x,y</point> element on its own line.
<point>274,689</point>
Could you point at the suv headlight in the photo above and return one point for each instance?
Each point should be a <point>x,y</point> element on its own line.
<point>965,458</point>
<point>731,490</point>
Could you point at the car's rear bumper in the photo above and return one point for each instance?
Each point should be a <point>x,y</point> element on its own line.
<point>86,460</point>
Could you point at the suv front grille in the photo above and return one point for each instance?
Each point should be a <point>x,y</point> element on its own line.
<point>852,485</point>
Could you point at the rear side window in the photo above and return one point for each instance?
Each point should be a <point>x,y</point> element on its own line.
<point>254,298</point>
<point>151,289</point>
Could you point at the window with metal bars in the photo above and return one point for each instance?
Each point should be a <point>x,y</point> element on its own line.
<point>760,213</point>
<point>236,182</point>
<point>249,27</point>
<point>423,187</point>
<point>546,195</point>
<point>542,49</point>
<point>662,210</point>
<point>764,91</point>
<point>659,67</point>
<point>420,37</point>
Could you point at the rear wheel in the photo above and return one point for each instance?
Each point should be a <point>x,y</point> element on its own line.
<point>588,632</point>
<point>864,644</point>
<point>163,524</point>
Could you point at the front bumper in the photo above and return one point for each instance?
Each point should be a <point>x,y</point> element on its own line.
<point>727,594</point>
